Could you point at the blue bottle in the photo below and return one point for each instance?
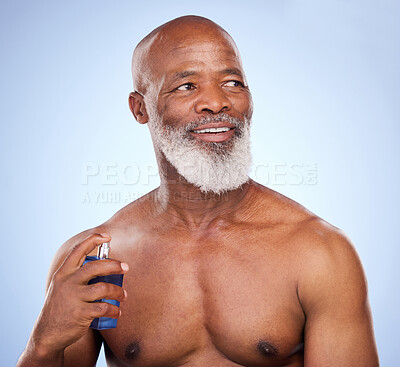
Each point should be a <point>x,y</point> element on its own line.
<point>102,323</point>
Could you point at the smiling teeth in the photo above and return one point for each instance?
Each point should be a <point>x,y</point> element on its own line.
<point>212,130</point>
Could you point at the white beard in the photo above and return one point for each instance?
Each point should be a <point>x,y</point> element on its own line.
<point>212,167</point>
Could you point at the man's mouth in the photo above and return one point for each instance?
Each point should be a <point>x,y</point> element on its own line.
<point>214,132</point>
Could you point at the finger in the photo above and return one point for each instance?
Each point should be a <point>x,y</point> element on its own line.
<point>104,267</point>
<point>103,290</point>
<point>78,254</point>
<point>104,309</point>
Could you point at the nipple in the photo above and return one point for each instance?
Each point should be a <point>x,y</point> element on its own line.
<point>132,351</point>
<point>266,349</point>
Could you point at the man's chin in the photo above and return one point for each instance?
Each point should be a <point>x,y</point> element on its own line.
<point>216,151</point>
<point>215,177</point>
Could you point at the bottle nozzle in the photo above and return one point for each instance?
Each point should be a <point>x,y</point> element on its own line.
<point>103,250</point>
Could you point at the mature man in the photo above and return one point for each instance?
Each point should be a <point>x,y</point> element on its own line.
<point>222,271</point>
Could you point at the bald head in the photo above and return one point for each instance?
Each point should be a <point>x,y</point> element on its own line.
<point>176,33</point>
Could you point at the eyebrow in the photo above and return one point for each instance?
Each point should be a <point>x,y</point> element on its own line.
<point>185,73</point>
<point>233,71</point>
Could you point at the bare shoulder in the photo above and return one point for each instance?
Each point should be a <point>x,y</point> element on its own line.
<point>134,214</point>
<point>270,206</point>
<point>311,234</point>
<point>131,214</point>
<point>65,249</point>
<point>326,248</point>
<point>324,254</point>
<point>329,270</point>
<point>331,276</point>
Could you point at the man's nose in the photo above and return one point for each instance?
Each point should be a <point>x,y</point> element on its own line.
<point>212,99</point>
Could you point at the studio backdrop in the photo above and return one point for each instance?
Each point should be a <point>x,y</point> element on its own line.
<point>326,86</point>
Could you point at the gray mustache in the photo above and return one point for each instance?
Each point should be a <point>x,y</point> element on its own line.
<point>217,118</point>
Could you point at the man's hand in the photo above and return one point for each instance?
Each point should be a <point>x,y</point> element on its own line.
<point>69,308</point>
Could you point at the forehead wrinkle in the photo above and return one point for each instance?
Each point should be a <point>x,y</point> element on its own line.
<point>205,45</point>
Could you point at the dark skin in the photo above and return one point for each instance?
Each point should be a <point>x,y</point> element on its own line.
<point>249,278</point>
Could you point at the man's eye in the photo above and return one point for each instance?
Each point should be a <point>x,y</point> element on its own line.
<point>234,83</point>
<point>187,86</point>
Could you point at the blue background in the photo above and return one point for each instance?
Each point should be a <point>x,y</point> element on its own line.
<point>325,81</point>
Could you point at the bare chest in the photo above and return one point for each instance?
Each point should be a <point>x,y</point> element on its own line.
<point>230,303</point>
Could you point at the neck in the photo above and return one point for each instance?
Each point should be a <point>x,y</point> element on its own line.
<point>194,209</point>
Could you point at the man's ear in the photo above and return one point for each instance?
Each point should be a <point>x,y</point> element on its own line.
<point>138,107</point>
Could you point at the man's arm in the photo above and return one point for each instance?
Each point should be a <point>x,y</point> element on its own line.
<point>333,292</point>
<point>61,335</point>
